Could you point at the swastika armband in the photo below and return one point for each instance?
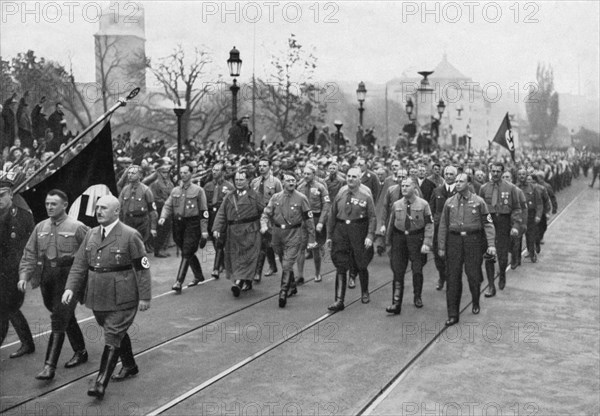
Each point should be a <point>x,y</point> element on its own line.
<point>307,215</point>
<point>141,263</point>
<point>428,219</point>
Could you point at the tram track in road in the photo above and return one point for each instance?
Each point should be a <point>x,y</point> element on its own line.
<point>388,387</point>
<point>153,347</point>
<point>371,403</point>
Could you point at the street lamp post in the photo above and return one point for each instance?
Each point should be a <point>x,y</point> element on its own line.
<point>235,65</point>
<point>468,139</point>
<point>361,93</point>
<point>338,125</point>
<point>179,111</point>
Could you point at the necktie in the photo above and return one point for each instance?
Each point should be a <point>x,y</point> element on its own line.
<point>348,206</point>
<point>51,251</point>
<point>495,196</point>
<point>286,208</point>
<point>103,233</point>
<point>407,219</point>
<point>261,186</point>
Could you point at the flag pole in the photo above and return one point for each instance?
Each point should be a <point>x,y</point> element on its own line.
<point>122,102</point>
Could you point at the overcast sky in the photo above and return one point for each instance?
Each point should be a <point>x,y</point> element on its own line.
<point>370,41</point>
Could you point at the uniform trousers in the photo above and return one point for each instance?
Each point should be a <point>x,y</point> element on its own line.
<point>348,247</point>
<point>115,324</point>
<point>405,248</point>
<point>187,234</point>
<point>286,245</point>
<point>162,231</point>
<point>62,316</point>
<point>468,251</point>
<point>503,244</point>
<point>141,224</point>
<point>532,231</point>
<point>440,262</point>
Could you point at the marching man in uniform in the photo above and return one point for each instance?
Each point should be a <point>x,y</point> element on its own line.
<point>187,204</point>
<point>46,262</point>
<point>112,267</point>
<point>350,233</point>
<point>465,227</point>
<point>287,211</point>
<point>138,207</point>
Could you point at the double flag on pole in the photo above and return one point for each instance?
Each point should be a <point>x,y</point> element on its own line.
<point>92,166</point>
<point>504,137</point>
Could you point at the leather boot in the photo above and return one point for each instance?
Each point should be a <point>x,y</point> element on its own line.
<point>110,356</point>
<point>283,292</point>
<point>502,279</point>
<point>55,344</point>
<point>128,367</point>
<point>363,275</point>
<point>259,266</point>
<point>197,270</point>
<point>183,267</point>
<point>397,293</point>
<point>293,285</point>
<point>217,263</point>
<point>24,333</point>
<point>77,342</point>
<point>489,271</point>
<point>340,292</point>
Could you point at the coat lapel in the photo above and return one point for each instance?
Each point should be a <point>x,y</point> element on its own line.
<point>111,237</point>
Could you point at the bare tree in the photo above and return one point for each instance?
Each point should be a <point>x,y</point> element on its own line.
<point>289,99</point>
<point>184,83</point>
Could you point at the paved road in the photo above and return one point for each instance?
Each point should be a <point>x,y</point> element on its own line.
<point>204,352</point>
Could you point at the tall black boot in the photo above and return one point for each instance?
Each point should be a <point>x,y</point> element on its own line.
<point>272,261</point>
<point>489,271</point>
<point>77,343</point>
<point>283,292</point>
<point>110,356</point>
<point>22,329</point>
<point>363,276</point>
<point>55,344</point>
<point>292,285</point>
<point>259,265</point>
<point>217,263</point>
<point>128,365</point>
<point>397,294</point>
<point>183,267</point>
<point>197,270</point>
<point>340,292</point>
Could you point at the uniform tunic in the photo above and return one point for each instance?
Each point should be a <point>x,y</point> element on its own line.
<point>118,277</point>
<point>187,205</point>
<point>239,217</point>
<point>138,209</point>
<point>407,243</point>
<point>161,189</point>
<point>288,212</point>
<point>535,209</point>
<point>463,223</point>
<point>16,226</point>
<point>320,205</point>
<point>352,220</point>
<point>46,261</point>
<point>506,214</point>
<point>215,193</point>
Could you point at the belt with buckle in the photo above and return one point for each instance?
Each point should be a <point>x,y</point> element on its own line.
<point>244,221</point>
<point>357,221</point>
<point>287,226</point>
<point>110,269</point>
<point>411,232</point>
<point>136,214</point>
<point>464,233</point>
<point>59,262</point>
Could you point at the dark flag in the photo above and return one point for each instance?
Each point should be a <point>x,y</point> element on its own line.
<point>92,166</point>
<point>504,136</point>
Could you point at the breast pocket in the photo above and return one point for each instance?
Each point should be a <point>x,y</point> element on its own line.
<point>118,256</point>
<point>66,242</point>
<point>418,218</point>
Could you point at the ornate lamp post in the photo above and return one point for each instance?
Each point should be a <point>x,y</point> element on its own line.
<point>338,125</point>
<point>235,65</point>
<point>361,93</point>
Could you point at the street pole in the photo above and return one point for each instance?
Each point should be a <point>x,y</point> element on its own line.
<point>179,113</point>
<point>234,90</point>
